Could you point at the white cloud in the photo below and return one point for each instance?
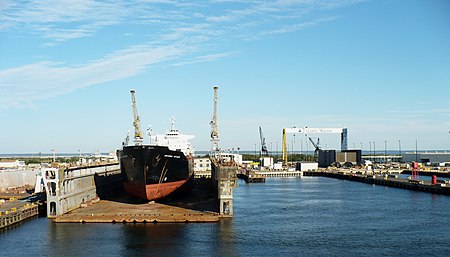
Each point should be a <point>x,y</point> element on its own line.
<point>179,31</point>
<point>46,79</point>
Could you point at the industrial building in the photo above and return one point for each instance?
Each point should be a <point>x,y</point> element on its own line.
<point>331,157</point>
<point>426,157</point>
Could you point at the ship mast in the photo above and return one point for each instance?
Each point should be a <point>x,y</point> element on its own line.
<point>138,138</point>
<point>214,127</point>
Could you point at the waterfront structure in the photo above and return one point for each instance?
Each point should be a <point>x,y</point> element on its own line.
<point>224,171</point>
<point>426,157</point>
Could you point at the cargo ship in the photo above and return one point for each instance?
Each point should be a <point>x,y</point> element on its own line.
<point>157,170</point>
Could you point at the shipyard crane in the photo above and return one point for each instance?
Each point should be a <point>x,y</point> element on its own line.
<point>138,138</point>
<point>214,126</point>
<point>306,131</point>
<point>316,146</point>
<point>263,143</point>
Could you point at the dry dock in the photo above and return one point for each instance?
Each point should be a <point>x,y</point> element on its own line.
<point>108,211</point>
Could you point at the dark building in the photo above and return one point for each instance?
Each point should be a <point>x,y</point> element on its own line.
<point>326,158</point>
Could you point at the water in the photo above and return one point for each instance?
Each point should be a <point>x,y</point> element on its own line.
<point>311,216</point>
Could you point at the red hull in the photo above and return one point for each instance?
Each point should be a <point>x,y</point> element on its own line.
<point>153,191</point>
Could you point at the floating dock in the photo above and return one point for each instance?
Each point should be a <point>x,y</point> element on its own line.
<point>385,180</point>
<point>95,194</point>
<point>108,211</point>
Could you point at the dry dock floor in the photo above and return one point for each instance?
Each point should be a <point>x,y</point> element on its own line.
<point>109,211</point>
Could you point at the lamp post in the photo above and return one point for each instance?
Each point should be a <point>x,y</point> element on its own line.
<point>385,151</point>
<point>370,151</point>
<point>276,152</point>
<point>374,153</point>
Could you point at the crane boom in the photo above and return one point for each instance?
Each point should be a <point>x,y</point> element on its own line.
<point>214,126</point>
<point>138,138</point>
<point>264,150</point>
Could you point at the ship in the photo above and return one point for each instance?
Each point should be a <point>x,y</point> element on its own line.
<point>155,171</point>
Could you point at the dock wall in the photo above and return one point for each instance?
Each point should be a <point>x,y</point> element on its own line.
<point>69,189</point>
<point>17,178</point>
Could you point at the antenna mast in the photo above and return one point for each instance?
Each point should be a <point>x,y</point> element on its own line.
<point>138,138</point>
<point>214,127</point>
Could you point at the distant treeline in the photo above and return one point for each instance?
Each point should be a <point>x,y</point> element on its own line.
<point>37,160</point>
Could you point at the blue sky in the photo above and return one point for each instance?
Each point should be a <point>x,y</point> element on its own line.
<point>379,68</point>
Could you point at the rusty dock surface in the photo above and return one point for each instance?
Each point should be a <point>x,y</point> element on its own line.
<point>109,211</point>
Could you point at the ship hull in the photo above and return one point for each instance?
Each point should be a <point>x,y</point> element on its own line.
<point>153,172</point>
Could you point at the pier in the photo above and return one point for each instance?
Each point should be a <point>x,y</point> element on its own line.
<point>16,211</point>
<point>280,174</point>
<point>385,180</point>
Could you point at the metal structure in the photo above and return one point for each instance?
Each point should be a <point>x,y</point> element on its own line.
<point>306,131</point>
<point>138,137</point>
<point>214,126</point>
<point>264,151</point>
<point>316,146</point>
<point>223,172</point>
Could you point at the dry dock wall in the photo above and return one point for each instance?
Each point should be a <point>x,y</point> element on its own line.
<point>17,178</point>
<point>71,188</point>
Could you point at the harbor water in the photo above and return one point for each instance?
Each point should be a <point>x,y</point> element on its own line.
<point>308,216</point>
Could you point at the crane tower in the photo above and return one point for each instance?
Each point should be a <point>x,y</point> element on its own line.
<point>264,150</point>
<point>138,138</point>
<point>214,126</point>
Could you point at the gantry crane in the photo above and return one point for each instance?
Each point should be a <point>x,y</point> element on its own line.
<point>138,138</point>
<point>307,131</point>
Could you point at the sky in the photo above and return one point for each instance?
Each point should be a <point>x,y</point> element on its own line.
<point>379,68</point>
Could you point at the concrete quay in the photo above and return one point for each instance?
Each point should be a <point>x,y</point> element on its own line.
<point>385,180</point>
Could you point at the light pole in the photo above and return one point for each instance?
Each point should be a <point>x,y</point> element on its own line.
<point>370,151</point>
<point>385,151</point>
<point>292,147</point>
<point>374,153</point>
<point>276,154</point>
<point>448,145</point>
<point>416,150</point>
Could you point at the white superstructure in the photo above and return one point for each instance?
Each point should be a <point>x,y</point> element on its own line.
<point>176,141</point>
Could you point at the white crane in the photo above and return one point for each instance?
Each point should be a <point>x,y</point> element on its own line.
<point>138,138</point>
<point>214,126</point>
